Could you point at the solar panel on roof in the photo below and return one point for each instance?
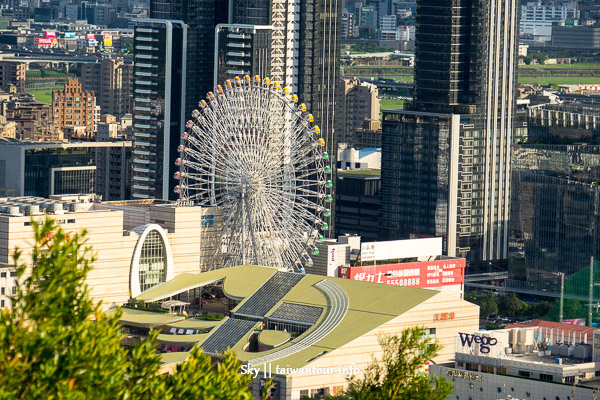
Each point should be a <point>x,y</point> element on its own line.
<point>297,313</point>
<point>269,294</point>
<point>227,335</point>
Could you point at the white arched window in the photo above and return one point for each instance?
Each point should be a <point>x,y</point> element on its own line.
<point>152,262</point>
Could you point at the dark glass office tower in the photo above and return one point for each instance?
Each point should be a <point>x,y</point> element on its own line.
<point>201,17</point>
<point>446,158</point>
<point>158,106</point>
<point>450,39</point>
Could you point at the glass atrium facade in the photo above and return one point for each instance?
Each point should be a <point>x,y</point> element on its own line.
<point>153,261</point>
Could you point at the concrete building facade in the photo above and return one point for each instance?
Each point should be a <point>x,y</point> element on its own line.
<point>109,81</point>
<point>576,37</point>
<point>44,169</point>
<point>552,361</point>
<point>358,104</point>
<point>123,235</point>
<point>13,73</point>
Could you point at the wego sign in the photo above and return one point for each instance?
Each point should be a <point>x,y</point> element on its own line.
<point>484,341</point>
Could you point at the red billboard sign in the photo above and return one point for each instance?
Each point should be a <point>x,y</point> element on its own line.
<point>589,87</point>
<point>421,274</point>
<point>45,42</point>
<point>90,36</point>
<point>50,34</point>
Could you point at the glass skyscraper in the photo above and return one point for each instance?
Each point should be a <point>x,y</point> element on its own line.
<point>446,158</point>
<point>555,214</point>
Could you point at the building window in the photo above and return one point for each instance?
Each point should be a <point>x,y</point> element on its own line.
<point>14,290</point>
<point>319,393</point>
<point>546,377</point>
<point>487,369</point>
<point>153,261</point>
<point>472,367</point>
<point>2,274</point>
<point>2,291</point>
<point>1,303</point>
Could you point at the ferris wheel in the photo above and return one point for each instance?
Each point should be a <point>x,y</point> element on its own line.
<point>253,151</point>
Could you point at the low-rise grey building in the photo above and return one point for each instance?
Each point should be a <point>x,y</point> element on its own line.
<point>44,169</point>
<point>555,362</point>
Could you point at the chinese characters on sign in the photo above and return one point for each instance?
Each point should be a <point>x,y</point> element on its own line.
<point>452,373</point>
<point>416,274</point>
<point>443,316</point>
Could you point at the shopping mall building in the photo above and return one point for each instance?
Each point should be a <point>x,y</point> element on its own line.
<point>138,244</point>
<point>307,332</point>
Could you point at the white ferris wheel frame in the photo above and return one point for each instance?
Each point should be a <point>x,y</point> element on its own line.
<point>253,151</point>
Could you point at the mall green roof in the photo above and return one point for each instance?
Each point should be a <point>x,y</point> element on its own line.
<point>131,316</point>
<point>193,323</point>
<point>173,358</point>
<point>370,306</point>
<point>273,338</point>
<point>181,339</point>
<point>236,284</point>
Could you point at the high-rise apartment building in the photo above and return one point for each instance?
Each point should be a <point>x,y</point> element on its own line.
<point>348,25</point>
<point>159,92</point>
<point>446,158</point>
<point>13,73</point>
<point>109,81</point>
<point>358,108</point>
<point>319,69</point>
<point>201,18</point>
<point>284,47</point>
<point>74,107</point>
<point>242,49</point>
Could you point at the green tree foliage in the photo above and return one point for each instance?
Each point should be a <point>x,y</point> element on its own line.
<point>488,305</point>
<point>369,48</point>
<point>572,309</point>
<point>57,344</point>
<point>539,310</point>
<point>511,305</point>
<point>487,302</point>
<point>397,375</point>
<point>541,57</point>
